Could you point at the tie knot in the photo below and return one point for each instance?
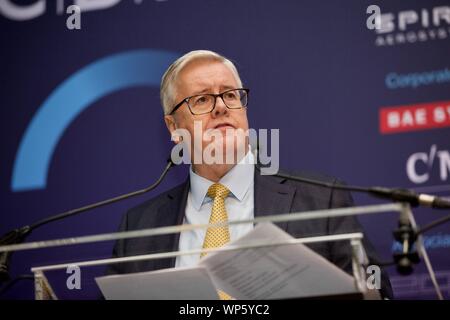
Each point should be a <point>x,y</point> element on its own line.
<point>218,190</point>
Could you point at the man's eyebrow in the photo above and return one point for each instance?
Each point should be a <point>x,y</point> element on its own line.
<point>208,90</point>
<point>227,87</point>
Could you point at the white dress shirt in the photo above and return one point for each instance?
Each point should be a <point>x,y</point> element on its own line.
<point>239,206</point>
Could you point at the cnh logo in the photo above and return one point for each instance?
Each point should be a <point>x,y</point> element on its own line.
<point>419,166</point>
<point>27,12</point>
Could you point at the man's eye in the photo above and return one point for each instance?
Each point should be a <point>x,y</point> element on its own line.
<point>201,100</point>
<point>230,96</point>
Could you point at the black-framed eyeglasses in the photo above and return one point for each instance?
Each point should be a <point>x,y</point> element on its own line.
<point>205,103</point>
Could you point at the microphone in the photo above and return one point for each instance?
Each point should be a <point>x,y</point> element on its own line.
<point>19,235</point>
<point>394,194</point>
<point>405,234</point>
<point>413,198</point>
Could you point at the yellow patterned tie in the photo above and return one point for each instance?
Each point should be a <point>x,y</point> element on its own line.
<point>217,236</point>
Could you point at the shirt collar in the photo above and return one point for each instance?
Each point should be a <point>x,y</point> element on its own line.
<point>238,180</point>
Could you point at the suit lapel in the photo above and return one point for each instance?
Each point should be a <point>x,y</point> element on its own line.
<point>170,214</point>
<point>272,197</point>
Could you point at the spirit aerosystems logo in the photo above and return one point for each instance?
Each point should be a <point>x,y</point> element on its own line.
<point>74,95</point>
<point>409,26</point>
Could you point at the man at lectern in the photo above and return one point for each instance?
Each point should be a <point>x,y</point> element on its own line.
<point>205,110</point>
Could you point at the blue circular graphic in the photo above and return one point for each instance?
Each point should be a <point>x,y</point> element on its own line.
<point>116,72</point>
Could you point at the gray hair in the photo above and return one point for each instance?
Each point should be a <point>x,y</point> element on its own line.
<point>168,91</point>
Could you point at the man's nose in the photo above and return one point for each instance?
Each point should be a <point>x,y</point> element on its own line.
<point>220,108</point>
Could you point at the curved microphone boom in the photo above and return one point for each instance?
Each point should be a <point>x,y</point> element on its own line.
<point>394,194</point>
<point>405,234</point>
<point>19,235</point>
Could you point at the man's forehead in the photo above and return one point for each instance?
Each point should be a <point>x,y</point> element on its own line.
<point>203,75</point>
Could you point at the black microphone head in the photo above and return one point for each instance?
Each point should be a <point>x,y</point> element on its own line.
<point>169,159</point>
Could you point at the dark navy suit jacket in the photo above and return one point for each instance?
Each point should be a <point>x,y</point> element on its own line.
<point>273,195</point>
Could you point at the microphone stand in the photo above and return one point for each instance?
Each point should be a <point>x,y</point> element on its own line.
<point>405,233</point>
<point>19,235</point>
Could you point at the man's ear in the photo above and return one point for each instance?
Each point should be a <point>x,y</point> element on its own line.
<point>171,125</point>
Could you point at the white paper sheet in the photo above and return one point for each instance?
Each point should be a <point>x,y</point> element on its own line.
<point>168,284</point>
<point>289,271</point>
<point>275,272</point>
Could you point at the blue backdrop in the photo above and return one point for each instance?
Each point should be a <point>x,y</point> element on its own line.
<point>81,119</point>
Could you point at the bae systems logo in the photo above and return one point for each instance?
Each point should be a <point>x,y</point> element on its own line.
<point>423,116</point>
<point>38,8</point>
<point>409,26</point>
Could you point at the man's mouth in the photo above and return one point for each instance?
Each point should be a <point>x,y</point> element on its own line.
<point>224,126</point>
